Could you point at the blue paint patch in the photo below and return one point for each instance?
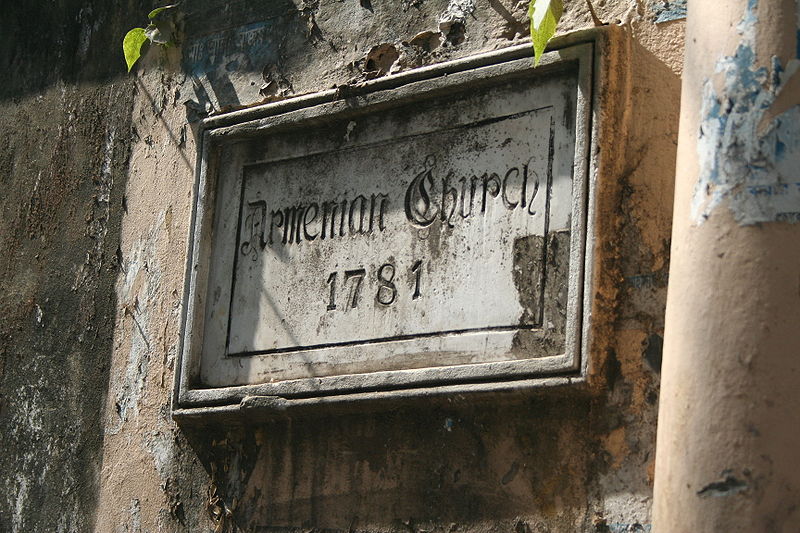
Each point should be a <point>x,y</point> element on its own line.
<point>748,158</point>
<point>780,150</point>
<point>252,42</point>
<point>747,82</point>
<point>655,280</point>
<point>668,10</point>
<point>717,121</point>
<point>224,67</point>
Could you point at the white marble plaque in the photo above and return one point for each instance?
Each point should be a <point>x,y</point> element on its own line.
<point>434,232</point>
<point>337,251</point>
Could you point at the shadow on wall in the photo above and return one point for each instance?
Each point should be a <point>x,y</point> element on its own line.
<point>65,110</point>
<point>410,469</point>
<point>63,167</point>
<point>80,42</point>
<point>224,58</point>
<point>65,41</point>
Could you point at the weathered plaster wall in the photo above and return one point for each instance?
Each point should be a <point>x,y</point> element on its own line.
<point>97,170</point>
<point>65,118</point>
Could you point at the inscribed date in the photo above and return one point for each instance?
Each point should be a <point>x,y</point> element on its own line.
<point>385,293</point>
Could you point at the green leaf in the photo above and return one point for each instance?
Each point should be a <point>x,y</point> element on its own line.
<point>544,15</point>
<point>154,13</point>
<point>132,45</point>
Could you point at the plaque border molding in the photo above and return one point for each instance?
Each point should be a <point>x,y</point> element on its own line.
<point>192,402</point>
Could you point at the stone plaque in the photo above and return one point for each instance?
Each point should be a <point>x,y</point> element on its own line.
<point>432,232</point>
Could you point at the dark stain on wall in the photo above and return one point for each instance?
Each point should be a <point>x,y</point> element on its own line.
<point>472,467</point>
<point>63,164</point>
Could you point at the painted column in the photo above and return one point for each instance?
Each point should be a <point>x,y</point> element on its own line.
<point>728,451</point>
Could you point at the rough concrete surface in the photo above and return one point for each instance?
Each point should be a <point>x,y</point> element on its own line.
<point>97,169</point>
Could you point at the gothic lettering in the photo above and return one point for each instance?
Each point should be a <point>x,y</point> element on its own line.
<point>329,210</point>
<point>472,183</point>
<point>358,212</point>
<point>272,224</point>
<point>254,222</point>
<point>535,189</point>
<point>292,223</point>
<point>428,198</point>
<point>452,193</point>
<point>384,200</point>
<point>489,180</point>
<point>506,201</point>
<point>419,209</point>
<point>306,222</point>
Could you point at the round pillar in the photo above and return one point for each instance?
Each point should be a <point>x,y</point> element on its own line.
<point>728,450</point>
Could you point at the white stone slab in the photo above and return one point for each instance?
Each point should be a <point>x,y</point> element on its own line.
<point>432,233</point>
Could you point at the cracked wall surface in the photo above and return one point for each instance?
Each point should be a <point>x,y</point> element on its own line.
<point>97,169</point>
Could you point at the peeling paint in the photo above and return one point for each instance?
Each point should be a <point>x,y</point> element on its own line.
<point>380,60</point>
<point>19,505</point>
<point>668,10</point>
<point>97,224</point>
<point>456,12</point>
<point>220,64</point>
<point>625,527</point>
<point>747,157</point>
<point>39,316</point>
<point>136,516</point>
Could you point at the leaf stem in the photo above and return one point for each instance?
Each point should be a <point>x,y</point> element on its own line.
<point>595,18</point>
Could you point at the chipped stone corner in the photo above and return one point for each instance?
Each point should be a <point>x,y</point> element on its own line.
<point>453,19</point>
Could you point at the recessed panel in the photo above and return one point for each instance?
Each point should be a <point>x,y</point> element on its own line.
<point>431,234</point>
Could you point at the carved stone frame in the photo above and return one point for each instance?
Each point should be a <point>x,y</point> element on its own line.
<point>193,401</point>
